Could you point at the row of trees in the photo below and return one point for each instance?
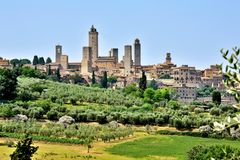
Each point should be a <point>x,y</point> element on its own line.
<point>40,60</point>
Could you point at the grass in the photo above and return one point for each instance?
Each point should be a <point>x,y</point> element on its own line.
<point>140,146</point>
<point>174,147</point>
<point>59,151</point>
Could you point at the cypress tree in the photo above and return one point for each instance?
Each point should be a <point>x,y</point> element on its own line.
<point>41,61</point>
<point>104,80</point>
<point>216,97</point>
<point>58,74</point>
<point>49,71</point>
<point>35,60</point>
<point>49,60</point>
<point>93,77</point>
<point>143,82</point>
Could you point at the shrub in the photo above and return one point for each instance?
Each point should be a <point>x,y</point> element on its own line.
<point>173,104</point>
<point>52,115</point>
<point>198,110</point>
<point>178,123</point>
<point>35,112</point>
<point>215,111</point>
<point>6,111</point>
<point>213,152</point>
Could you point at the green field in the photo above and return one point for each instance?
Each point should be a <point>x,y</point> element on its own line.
<point>164,146</point>
<point>140,146</point>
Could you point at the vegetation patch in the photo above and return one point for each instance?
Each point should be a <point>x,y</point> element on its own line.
<point>165,146</point>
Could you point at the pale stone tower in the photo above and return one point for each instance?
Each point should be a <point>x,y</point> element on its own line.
<point>127,59</point>
<point>93,43</point>
<point>86,66</point>
<point>58,53</point>
<point>114,53</point>
<point>137,52</point>
<point>64,61</point>
<point>168,58</point>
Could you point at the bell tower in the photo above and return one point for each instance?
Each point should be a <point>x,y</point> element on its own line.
<point>93,43</point>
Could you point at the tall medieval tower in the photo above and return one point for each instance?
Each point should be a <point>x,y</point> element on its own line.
<point>127,59</point>
<point>137,52</point>
<point>93,43</point>
<point>58,53</point>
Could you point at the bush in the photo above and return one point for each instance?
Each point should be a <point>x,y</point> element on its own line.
<point>35,112</point>
<point>198,110</point>
<point>215,111</point>
<point>52,115</point>
<point>178,123</point>
<point>6,111</point>
<point>173,104</point>
<point>217,152</point>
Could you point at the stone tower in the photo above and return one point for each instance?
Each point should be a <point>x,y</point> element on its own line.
<point>58,53</point>
<point>93,43</point>
<point>114,53</point>
<point>64,61</point>
<point>127,59</point>
<point>86,66</point>
<point>168,58</point>
<point>137,52</point>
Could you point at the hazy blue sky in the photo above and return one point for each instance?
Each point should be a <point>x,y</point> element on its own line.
<point>192,30</point>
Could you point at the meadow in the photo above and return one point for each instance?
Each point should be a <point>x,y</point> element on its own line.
<point>140,146</point>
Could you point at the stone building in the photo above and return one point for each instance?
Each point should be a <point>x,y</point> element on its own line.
<point>186,92</point>
<point>127,59</point>
<point>212,77</point>
<point>137,52</point>
<point>186,74</point>
<point>58,53</point>
<point>99,63</point>
<point>86,65</point>
<point>166,67</point>
<point>93,43</point>
<point>114,53</point>
<point>64,62</point>
<point>212,71</point>
<point>4,63</point>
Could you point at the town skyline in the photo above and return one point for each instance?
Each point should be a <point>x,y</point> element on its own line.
<point>161,27</point>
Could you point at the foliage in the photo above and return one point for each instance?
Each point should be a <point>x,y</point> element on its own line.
<point>165,76</point>
<point>24,150</point>
<point>41,61</point>
<point>205,91</point>
<point>231,74</point>
<point>230,127</point>
<point>32,73</point>
<point>216,97</point>
<point>19,62</point>
<point>215,111</point>
<point>93,77</point>
<point>58,74</point>
<point>8,84</point>
<point>131,89</point>
<point>143,82</point>
<point>35,60</point>
<point>168,147</point>
<point>153,84</point>
<point>104,80</point>
<point>83,132</point>
<point>217,152</point>
<point>48,60</point>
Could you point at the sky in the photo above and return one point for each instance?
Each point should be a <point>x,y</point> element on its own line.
<point>193,31</point>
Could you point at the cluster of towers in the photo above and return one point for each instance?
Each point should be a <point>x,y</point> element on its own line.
<point>92,61</point>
